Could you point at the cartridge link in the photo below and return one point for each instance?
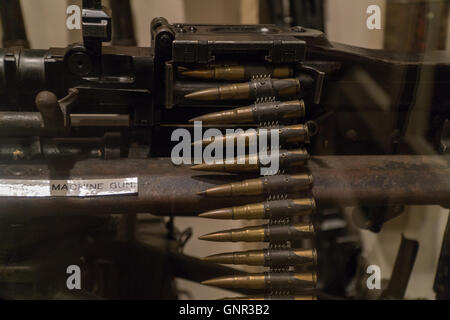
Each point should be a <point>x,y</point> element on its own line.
<point>261,100</point>
<point>277,245</point>
<point>280,221</point>
<point>261,77</point>
<point>268,124</point>
<point>279,293</point>
<point>275,197</point>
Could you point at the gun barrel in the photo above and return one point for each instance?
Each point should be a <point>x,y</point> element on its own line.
<point>168,190</point>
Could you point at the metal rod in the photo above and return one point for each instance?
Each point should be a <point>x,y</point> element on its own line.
<point>123,29</point>
<point>165,189</point>
<point>13,25</point>
<point>403,266</point>
<point>21,124</point>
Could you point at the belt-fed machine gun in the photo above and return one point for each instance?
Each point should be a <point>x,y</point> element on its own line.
<point>86,133</point>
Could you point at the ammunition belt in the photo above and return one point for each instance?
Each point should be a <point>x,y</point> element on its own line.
<point>291,273</point>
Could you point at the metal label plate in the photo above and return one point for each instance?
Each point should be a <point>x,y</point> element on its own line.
<point>68,188</point>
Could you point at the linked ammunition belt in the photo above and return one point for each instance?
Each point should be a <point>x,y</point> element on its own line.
<point>289,257</point>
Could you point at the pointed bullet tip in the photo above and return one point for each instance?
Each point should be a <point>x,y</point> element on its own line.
<point>202,193</point>
<point>204,237</point>
<point>215,236</point>
<point>222,282</point>
<point>219,191</point>
<point>197,95</point>
<point>203,95</point>
<point>211,258</point>
<point>223,258</point>
<point>198,73</point>
<point>225,213</point>
<point>209,282</point>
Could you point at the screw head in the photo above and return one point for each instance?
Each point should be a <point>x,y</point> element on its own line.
<point>80,63</point>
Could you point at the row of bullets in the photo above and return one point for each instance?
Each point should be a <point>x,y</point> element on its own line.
<point>263,112</point>
<point>282,281</point>
<point>279,258</point>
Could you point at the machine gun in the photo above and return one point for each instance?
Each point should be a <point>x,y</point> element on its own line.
<point>89,114</point>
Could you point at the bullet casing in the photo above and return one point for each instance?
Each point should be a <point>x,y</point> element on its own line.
<point>253,90</point>
<point>290,281</point>
<point>286,184</point>
<point>278,111</point>
<point>288,232</point>
<point>286,136</point>
<point>293,158</point>
<point>288,208</point>
<point>247,163</point>
<point>298,133</point>
<point>265,210</point>
<point>251,163</point>
<point>239,72</point>
<point>261,112</point>
<point>289,257</point>
<point>264,233</point>
<point>267,185</point>
<point>250,258</point>
<point>286,281</point>
<point>266,257</point>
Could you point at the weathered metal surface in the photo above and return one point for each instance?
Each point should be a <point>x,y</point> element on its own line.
<point>13,25</point>
<point>21,123</point>
<point>401,273</point>
<point>371,180</point>
<point>165,189</point>
<point>123,30</point>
